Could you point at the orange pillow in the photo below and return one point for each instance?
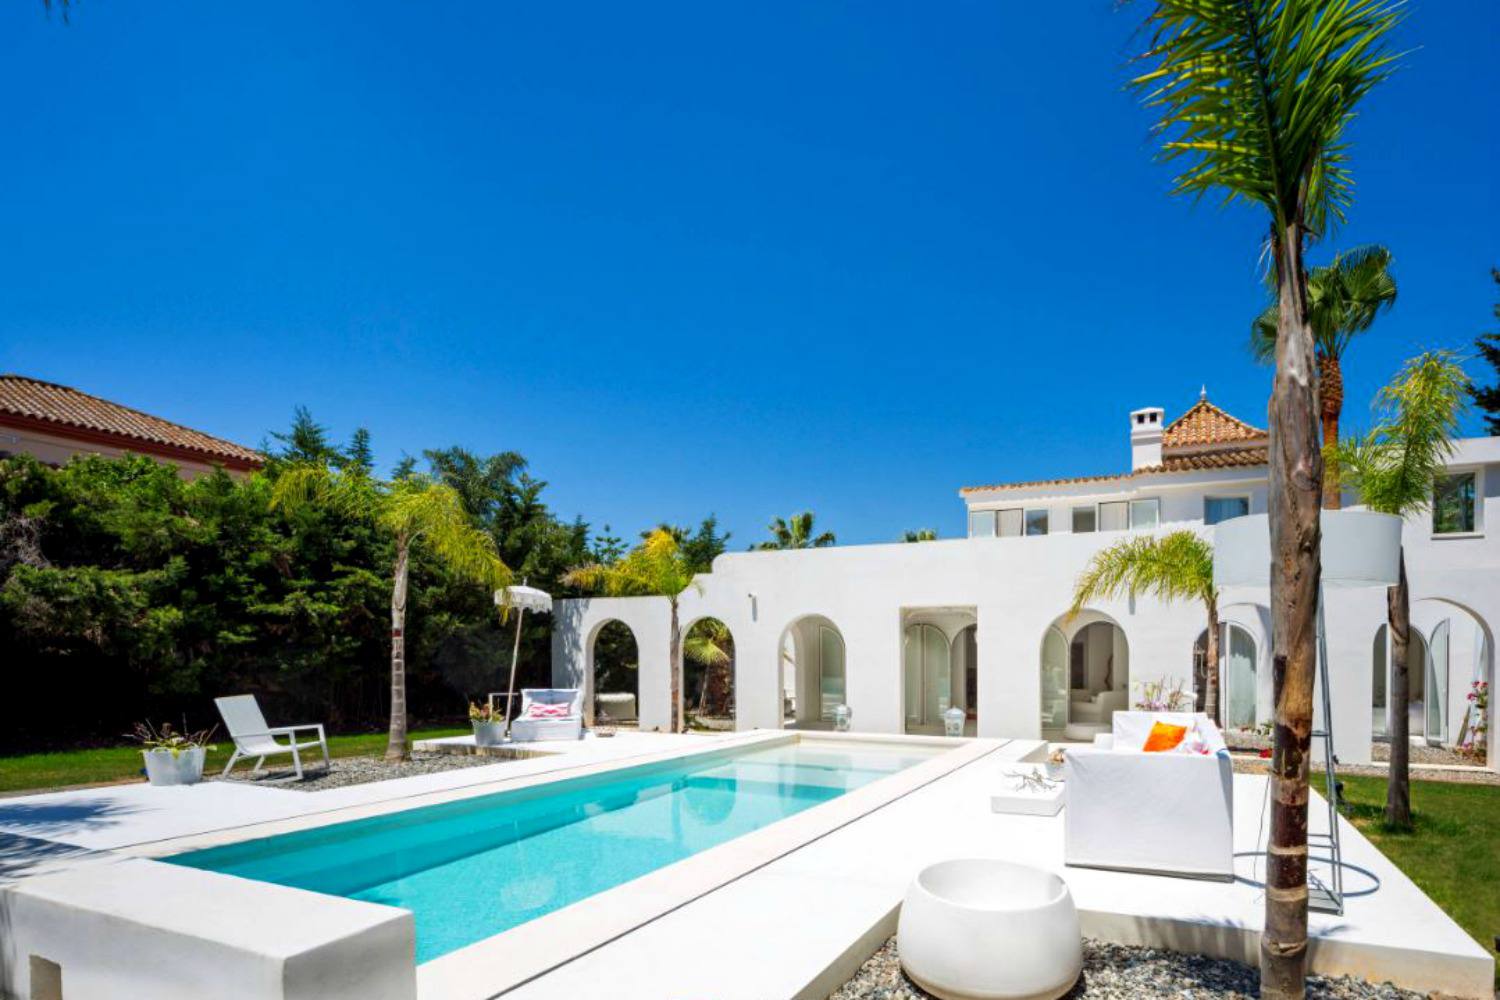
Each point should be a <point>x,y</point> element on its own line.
<point>1164,737</point>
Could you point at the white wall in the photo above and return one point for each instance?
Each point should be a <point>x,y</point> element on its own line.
<point>1016,588</point>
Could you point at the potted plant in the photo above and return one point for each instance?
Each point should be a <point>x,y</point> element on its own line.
<point>173,758</point>
<point>1056,762</point>
<point>489,725</point>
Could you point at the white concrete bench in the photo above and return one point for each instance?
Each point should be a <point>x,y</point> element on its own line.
<point>139,928</point>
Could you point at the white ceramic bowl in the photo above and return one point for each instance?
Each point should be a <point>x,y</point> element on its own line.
<point>982,929</point>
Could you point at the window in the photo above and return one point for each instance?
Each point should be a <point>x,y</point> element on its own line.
<point>981,524</point>
<point>1145,513</point>
<point>1453,505</point>
<point>1114,516</point>
<point>1216,509</point>
<point>1036,522</point>
<point>1084,519</point>
<point>1010,523</point>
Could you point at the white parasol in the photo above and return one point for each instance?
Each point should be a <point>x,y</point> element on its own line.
<point>522,599</point>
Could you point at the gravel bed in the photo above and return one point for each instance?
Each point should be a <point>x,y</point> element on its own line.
<point>1258,765</point>
<point>1117,972</point>
<point>346,771</point>
<point>1421,754</point>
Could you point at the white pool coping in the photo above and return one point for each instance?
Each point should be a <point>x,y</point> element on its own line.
<point>801,926</point>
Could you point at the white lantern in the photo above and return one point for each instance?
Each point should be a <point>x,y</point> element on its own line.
<point>953,721</point>
<point>841,716</point>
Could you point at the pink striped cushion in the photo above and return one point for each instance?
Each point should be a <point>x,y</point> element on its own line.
<point>540,711</point>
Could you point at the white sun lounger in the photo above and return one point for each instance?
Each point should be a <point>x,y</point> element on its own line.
<point>253,738</point>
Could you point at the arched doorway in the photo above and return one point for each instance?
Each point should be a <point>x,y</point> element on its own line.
<point>1239,677</point>
<point>1085,674</point>
<point>811,675</point>
<point>708,675</point>
<point>614,664</point>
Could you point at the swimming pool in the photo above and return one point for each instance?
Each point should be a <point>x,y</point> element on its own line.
<point>471,869</point>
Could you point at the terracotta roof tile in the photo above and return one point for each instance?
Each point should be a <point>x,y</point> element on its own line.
<point>67,408</point>
<point>1206,424</point>
<point>1230,458</point>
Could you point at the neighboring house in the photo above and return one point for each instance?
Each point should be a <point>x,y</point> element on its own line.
<point>901,632</point>
<point>55,422</point>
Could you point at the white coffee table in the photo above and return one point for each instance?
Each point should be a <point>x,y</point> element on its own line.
<point>1029,800</point>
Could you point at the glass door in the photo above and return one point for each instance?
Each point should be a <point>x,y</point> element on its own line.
<point>928,675</point>
<point>830,671</point>
<point>1240,671</point>
<point>1379,724</point>
<point>1437,684</point>
<point>1054,679</point>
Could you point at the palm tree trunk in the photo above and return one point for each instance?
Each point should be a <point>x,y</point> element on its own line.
<point>1398,786</point>
<point>1331,404</point>
<point>395,749</point>
<point>1296,478</point>
<point>1211,667</point>
<point>674,657</point>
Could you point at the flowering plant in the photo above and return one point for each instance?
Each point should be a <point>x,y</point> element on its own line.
<point>1479,698</point>
<point>485,713</point>
<point>168,739</point>
<point>1163,695</point>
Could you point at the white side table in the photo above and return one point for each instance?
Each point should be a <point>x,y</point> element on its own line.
<point>1028,800</point>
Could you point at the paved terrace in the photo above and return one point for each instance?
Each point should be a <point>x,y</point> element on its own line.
<point>819,894</point>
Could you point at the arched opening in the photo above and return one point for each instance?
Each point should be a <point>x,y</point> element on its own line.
<point>811,674</point>
<point>1459,654</point>
<point>939,668</point>
<point>1085,672</point>
<point>1239,679</point>
<point>614,659</point>
<point>708,675</point>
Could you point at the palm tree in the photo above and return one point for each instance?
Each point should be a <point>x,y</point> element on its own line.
<point>657,566</point>
<point>1396,468</point>
<point>1178,566</point>
<point>1343,300</point>
<point>920,535</point>
<point>1253,97</point>
<point>411,510</point>
<point>709,644</point>
<point>796,532</point>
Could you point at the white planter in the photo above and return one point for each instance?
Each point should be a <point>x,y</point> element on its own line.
<point>980,929</point>
<point>489,734</point>
<point>165,768</point>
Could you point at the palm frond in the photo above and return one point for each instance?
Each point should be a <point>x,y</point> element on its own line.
<point>1395,467</point>
<point>1176,566</point>
<point>1253,96</point>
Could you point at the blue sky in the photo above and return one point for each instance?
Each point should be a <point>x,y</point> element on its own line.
<point>687,258</point>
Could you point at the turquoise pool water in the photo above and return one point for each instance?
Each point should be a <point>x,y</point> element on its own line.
<point>471,869</point>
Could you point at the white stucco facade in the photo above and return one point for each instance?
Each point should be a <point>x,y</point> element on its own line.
<point>1013,588</point>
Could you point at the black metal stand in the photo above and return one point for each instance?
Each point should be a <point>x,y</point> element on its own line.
<point>1329,897</point>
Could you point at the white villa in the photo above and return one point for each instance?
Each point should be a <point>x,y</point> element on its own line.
<point>901,632</point>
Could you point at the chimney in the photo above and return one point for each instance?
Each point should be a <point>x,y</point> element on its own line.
<point>1145,437</point>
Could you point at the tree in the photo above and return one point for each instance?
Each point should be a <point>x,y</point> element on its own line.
<point>305,441</point>
<point>1396,468</point>
<point>920,535</point>
<point>700,548</point>
<point>709,644</point>
<point>1487,398</point>
<point>656,567</point>
<point>795,532</point>
<point>1178,566</point>
<point>1343,299</point>
<point>1253,97</point>
<point>410,511</point>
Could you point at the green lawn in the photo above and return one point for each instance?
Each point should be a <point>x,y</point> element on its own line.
<point>1453,852</point>
<point>83,767</point>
